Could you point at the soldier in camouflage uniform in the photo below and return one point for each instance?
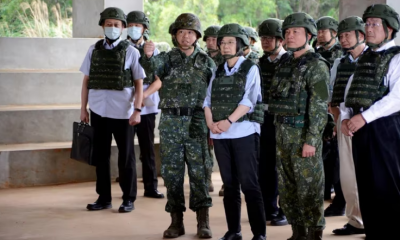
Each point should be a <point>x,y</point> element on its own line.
<point>329,45</point>
<point>270,32</point>
<point>111,70</point>
<point>138,24</point>
<point>233,117</point>
<point>210,37</point>
<point>298,99</point>
<point>253,38</point>
<point>248,53</point>
<point>371,115</point>
<point>183,73</point>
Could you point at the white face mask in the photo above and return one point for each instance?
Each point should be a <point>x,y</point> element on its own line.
<point>112,33</point>
<point>135,32</point>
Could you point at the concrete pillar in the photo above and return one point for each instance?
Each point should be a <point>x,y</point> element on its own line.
<point>86,15</point>
<point>349,8</point>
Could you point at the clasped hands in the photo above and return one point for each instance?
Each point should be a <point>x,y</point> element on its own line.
<point>350,126</point>
<point>219,127</point>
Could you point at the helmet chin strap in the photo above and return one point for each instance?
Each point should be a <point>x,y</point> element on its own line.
<point>356,45</point>
<point>299,48</point>
<point>386,40</point>
<point>269,53</point>
<point>111,41</point>
<point>212,50</point>
<point>329,42</point>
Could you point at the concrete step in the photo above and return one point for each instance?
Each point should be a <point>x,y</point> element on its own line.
<point>40,124</point>
<point>23,87</point>
<point>43,53</point>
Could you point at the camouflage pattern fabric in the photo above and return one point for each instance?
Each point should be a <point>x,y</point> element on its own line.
<point>107,68</point>
<point>366,87</point>
<point>301,180</point>
<point>345,69</point>
<point>163,46</point>
<point>183,139</point>
<point>331,54</point>
<point>176,149</point>
<point>218,59</point>
<point>149,79</point>
<point>267,72</point>
<point>253,57</point>
<point>256,50</point>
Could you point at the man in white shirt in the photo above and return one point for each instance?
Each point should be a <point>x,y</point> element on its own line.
<point>111,70</point>
<point>371,114</point>
<point>352,38</point>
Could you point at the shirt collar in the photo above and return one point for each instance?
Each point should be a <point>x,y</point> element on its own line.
<point>236,67</point>
<point>113,45</point>
<point>354,60</point>
<point>281,52</point>
<point>386,46</point>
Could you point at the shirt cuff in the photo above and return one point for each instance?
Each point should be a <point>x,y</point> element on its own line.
<point>206,104</point>
<point>247,103</point>
<point>368,116</point>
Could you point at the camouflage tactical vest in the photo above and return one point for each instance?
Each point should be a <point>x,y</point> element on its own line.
<point>267,72</point>
<point>185,81</point>
<point>253,57</point>
<point>107,68</point>
<point>331,54</point>
<point>288,96</point>
<point>218,59</point>
<point>228,91</point>
<point>368,86</point>
<point>345,69</point>
<point>149,75</point>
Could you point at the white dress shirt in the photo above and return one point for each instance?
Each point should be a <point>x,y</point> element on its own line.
<point>113,103</point>
<point>251,96</point>
<point>390,103</point>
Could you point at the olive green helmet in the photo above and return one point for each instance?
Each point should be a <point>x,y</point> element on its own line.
<point>327,23</point>
<point>300,19</point>
<point>146,34</point>
<point>353,23</point>
<point>271,27</point>
<point>171,28</point>
<point>211,31</point>
<point>234,30</point>
<point>187,21</point>
<point>385,12</point>
<point>112,13</point>
<point>138,17</point>
<point>252,33</point>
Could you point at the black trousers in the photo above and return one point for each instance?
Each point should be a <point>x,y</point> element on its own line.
<point>376,153</point>
<point>145,134</point>
<point>330,155</point>
<point>238,164</point>
<point>123,133</point>
<point>268,175</point>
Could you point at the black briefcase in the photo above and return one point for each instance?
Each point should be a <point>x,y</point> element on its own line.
<point>82,143</point>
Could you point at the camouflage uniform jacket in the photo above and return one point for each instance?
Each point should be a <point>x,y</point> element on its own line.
<point>331,54</point>
<point>218,59</point>
<point>309,75</point>
<point>253,57</point>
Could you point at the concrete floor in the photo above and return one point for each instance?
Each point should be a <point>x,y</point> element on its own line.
<point>59,213</point>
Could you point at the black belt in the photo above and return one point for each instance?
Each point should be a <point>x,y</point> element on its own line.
<point>183,111</point>
<point>291,120</point>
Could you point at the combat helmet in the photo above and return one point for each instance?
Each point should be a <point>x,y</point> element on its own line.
<point>112,13</point>
<point>328,23</point>
<point>300,19</point>
<point>353,23</point>
<point>233,30</point>
<point>138,17</point>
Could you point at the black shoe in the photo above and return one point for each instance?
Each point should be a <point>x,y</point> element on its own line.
<point>98,206</point>
<point>333,211</point>
<point>153,194</point>
<point>272,216</point>
<point>232,236</point>
<point>348,230</point>
<point>280,219</point>
<point>126,206</point>
<point>260,237</point>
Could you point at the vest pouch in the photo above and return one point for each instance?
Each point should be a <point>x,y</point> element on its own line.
<point>283,89</point>
<point>258,114</point>
<point>198,126</point>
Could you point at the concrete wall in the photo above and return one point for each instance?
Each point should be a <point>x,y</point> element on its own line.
<point>349,8</point>
<point>86,15</point>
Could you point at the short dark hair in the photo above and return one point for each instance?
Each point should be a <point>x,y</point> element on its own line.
<point>239,46</point>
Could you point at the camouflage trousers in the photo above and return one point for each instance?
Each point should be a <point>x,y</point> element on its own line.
<point>301,181</point>
<point>176,149</point>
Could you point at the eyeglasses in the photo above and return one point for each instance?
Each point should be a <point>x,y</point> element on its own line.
<point>230,43</point>
<point>373,25</point>
<point>267,38</point>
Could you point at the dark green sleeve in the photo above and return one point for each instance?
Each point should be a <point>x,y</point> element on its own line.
<point>316,79</point>
<point>156,64</point>
<point>210,68</point>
